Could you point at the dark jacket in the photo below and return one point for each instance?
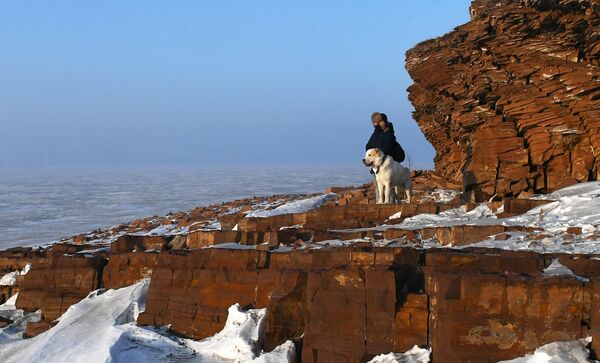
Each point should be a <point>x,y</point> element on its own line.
<point>386,141</point>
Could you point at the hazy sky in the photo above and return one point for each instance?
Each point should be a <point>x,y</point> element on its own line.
<point>208,82</point>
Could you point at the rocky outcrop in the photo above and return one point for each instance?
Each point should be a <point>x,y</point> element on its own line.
<point>347,303</point>
<point>497,305</point>
<point>511,100</point>
<point>352,303</point>
<point>55,282</point>
<point>338,296</point>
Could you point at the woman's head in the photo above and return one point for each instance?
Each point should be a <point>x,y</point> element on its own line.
<point>379,119</point>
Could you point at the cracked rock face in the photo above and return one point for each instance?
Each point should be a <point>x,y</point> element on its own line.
<point>511,100</point>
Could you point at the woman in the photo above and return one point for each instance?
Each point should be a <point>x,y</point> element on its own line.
<point>383,137</point>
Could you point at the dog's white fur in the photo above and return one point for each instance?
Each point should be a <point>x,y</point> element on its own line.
<point>390,176</point>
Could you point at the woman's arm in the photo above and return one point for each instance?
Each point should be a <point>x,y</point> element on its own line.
<point>371,142</point>
<point>388,142</point>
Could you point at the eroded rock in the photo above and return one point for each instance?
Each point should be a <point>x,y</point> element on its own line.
<point>511,100</point>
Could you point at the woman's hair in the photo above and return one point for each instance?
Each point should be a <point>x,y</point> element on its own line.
<point>382,115</point>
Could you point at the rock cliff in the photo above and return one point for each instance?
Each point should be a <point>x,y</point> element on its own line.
<point>511,100</point>
<point>343,280</point>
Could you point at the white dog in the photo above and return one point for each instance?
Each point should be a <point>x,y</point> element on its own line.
<point>390,176</point>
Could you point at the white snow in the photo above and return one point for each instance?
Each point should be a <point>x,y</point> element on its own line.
<point>10,303</point>
<point>15,330</point>
<point>297,206</point>
<point>441,195</point>
<point>589,189</point>
<point>239,339</point>
<point>10,278</point>
<point>105,249</point>
<point>209,225</point>
<point>414,355</point>
<point>290,227</point>
<point>232,246</point>
<point>557,269</point>
<point>480,215</point>
<point>337,243</point>
<point>574,206</point>
<point>213,225</point>
<point>101,328</point>
<point>558,352</point>
<point>233,210</point>
<point>159,231</point>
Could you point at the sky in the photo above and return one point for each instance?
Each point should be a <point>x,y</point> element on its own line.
<point>117,82</point>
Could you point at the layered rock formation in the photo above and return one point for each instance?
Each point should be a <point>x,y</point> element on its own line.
<point>349,304</point>
<point>511,100</point>
<point>338,303</point>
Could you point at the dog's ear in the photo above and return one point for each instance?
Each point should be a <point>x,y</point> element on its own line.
<point>379,153</point>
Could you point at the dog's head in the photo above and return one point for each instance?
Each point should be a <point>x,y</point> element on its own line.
<point>373,158</point>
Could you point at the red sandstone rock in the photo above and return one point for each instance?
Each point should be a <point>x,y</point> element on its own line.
<point>57,282</point>
<point>79,239</point>
<point>478,314</point>
<point>33,329</point>
<point>128,243</point>
<point>347,342</point>
<point>128,268</point>
<point>510,100</point>
<point>357,285</point>
<point>178,242</point>
<point>411,322</point>
<point>465,235</point>
<point>514,206</point>
<point>201,238</point>
<point>67,248</point>
<point>283,293</point>
<point>274,223</point>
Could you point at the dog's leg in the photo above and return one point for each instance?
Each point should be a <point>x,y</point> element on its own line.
<point>396,197</point>
<point>408,194</point>
<point>388,194</point>
<point>380,197</point>
<point>377,193</point>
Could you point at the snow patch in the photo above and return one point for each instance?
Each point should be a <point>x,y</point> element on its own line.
<point>10,278</point>
<point>14,331</point>
<point>102,328</point>
<point>297,206</point>
<point>441,195</point>
<point>414,355</point>
<point>232,246</point>
<point>160,230</point>
<point>480,215</point>
<point>557,269</point>
<point>574,351</point>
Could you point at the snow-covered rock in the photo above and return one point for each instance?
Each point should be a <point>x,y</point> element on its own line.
<point>102,328</point>
<point>10,278</point>
<point>557,269</point>
<point>558,352</point>
<point>297,206</point>
<point>414,355</point>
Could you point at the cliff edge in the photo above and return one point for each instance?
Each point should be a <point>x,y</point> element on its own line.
<point>511,100</point>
